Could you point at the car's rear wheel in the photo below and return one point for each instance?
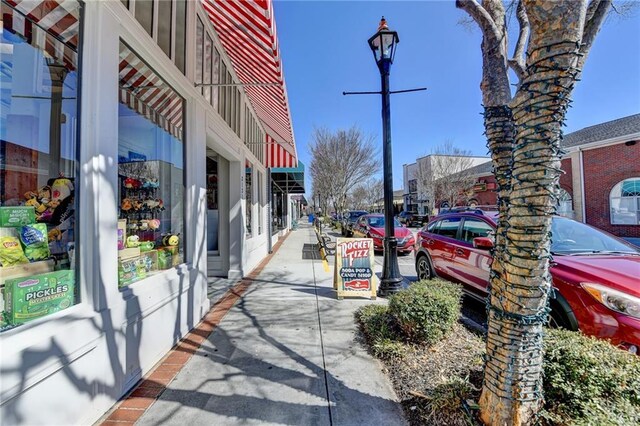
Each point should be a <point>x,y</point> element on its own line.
<point>423,267</point>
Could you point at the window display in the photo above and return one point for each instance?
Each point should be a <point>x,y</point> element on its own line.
<point>150,172</point>
<point>38,159</point>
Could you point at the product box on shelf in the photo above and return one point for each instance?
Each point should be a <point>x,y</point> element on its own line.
<point>17,216</point>
<point>39,295</point>
<point>122,233</point>
<point>129,253</point>
<point>137,268</point>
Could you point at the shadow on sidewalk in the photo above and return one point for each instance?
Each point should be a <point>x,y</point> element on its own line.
<point>316,382</point>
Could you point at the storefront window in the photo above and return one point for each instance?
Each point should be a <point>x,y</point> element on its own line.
<point>249,195</point>
<point>38,159</point>
<point>260,202</point>
<point>213,215</point>
<point>150,172</point>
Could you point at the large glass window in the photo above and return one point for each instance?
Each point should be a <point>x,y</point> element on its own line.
<point>38,159</point>
<point>150,171</point>
<point>248,180</point>
<point>624,201</point>
<point>213,215</point>
<point>260,201</point>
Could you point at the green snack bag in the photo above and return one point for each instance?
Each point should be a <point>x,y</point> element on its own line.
<point>11,252</point>
<point>35,242</point>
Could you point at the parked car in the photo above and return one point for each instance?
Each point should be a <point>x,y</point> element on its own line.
<point>596,275</point>
<point>372,226</point>
<point>412,218</point>
<point>348,219</point>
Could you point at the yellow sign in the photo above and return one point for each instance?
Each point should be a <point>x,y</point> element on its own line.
<point>354,274</point>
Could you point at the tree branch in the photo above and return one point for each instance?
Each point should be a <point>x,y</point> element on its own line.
<point>481,16</point>
<point>518,62</point>
<point>596,14</point>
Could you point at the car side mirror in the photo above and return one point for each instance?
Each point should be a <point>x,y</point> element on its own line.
<point>483,243</point>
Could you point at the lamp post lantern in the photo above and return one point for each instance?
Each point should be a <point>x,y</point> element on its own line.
<point>383,44</point>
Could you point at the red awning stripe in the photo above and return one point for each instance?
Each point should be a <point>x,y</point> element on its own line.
<point>247,31</point>
<point>277,156</point>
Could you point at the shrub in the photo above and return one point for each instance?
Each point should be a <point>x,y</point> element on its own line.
<point>589,382</point>
<point>427,310</point>
<point>378,327</point>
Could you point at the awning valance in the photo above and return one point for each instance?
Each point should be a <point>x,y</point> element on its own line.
<point>247,31</point>
<point>289,180</point>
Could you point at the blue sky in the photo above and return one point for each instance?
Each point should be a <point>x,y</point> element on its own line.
<point>324,52</point>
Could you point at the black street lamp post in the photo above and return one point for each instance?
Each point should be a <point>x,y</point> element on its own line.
<point>383,44</point>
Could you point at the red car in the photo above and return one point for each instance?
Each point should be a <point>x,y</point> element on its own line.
<point>596,276</point>
<point>372,226</point>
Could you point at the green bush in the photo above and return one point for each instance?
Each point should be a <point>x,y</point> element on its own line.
<point>378,327</point>
<point>427,310</point>
<point>589,382</point>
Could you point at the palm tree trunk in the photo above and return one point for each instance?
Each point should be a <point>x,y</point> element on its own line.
<point>519,306</point>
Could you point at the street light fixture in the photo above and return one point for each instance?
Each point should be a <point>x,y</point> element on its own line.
<point>383,44</point>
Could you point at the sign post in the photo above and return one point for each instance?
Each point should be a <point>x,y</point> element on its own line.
<point>354,274</point>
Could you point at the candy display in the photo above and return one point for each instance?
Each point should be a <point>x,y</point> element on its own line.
<point>36,246</point>
<point>38,295</point>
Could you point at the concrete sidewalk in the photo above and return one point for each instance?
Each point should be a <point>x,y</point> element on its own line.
<point>286,353</point>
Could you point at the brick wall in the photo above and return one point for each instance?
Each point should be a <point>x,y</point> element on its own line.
<point>603,169</point>
<point>566,179</point>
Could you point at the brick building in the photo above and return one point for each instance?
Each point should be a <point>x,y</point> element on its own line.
<point>601,180</point>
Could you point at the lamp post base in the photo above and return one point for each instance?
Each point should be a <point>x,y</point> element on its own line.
<point>391,281</point>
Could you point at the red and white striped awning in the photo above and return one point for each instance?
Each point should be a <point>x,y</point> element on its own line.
<point>51,26</point>
<point>247,31</point>
<point>277,156</point>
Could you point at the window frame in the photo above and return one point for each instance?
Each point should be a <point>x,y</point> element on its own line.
<point>635,202</point>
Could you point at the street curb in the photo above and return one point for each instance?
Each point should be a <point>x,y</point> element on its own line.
<point>129,409</point>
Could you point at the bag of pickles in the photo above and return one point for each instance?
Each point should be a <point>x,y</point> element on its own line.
<point>35,242</point>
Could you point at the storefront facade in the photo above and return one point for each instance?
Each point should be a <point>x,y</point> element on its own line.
<point>134,165</point>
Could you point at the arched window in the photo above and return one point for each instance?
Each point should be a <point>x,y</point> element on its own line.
<point>624,202</point>
<point>565,204</point>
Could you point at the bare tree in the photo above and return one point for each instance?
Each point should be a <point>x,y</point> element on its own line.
<point>523,135</point>
<point>340,161</point>
<point>367,195</point>
<point>444,175</point>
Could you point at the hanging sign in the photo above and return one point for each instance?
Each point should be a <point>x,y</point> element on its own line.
<point>354,274</point>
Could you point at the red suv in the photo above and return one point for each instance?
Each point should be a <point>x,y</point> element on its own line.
<point>596,276</point>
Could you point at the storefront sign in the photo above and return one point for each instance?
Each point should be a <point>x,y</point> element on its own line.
<point>354,274</point>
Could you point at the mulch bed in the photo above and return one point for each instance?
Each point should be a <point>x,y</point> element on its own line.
<point>417,374</point>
